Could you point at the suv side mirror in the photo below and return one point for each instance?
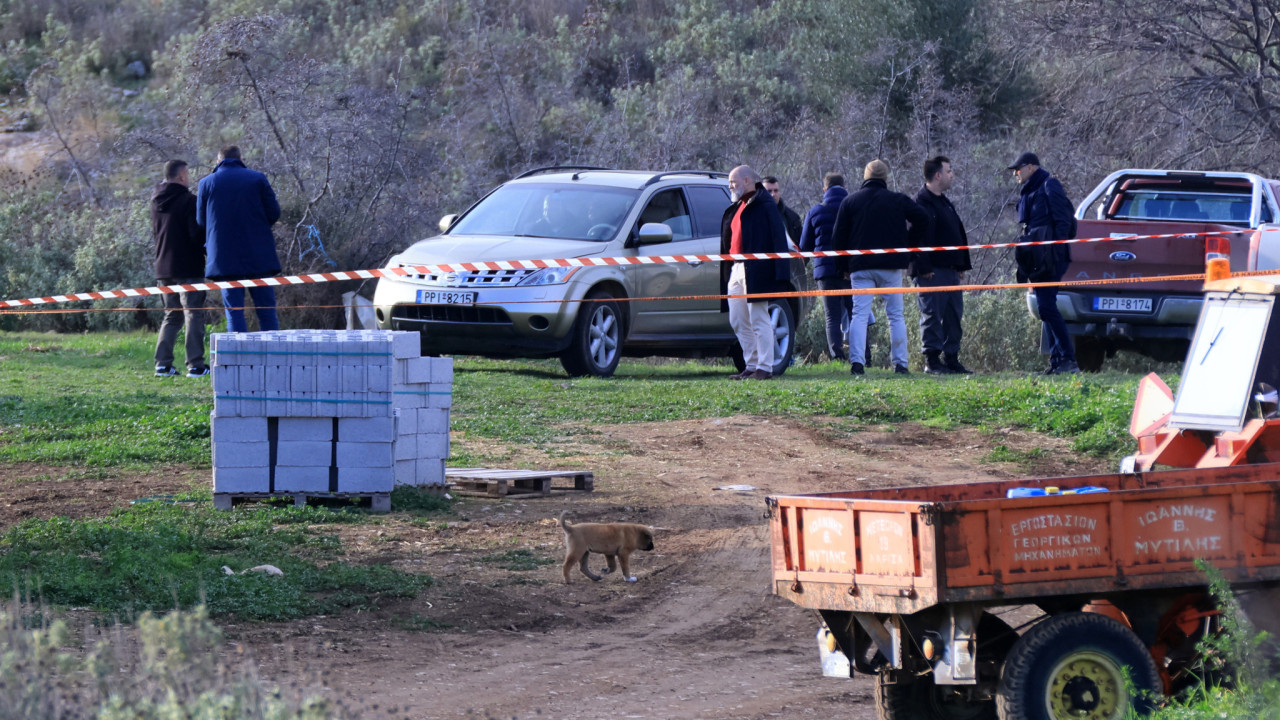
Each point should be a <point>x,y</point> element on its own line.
<point>653,234</point>
<point>447,222</point>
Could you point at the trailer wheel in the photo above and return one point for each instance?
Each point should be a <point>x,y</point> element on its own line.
<point>1073,667</point>
<point>923,699</point>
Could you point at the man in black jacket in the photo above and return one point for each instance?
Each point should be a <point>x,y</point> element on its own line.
<point>941,312</point>
<point>875,218</point>
<point>752,224</point>
<point>1046,213</point>
<point>790,218</point>
<point>179,261</point>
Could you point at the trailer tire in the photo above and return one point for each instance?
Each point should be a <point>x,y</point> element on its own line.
<point>923,699</point>
<point>1074,666</point>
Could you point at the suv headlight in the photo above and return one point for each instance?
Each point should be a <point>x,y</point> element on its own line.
<point>550,276</point>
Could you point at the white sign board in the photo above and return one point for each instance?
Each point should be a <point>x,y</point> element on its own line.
<point>1218,377</point>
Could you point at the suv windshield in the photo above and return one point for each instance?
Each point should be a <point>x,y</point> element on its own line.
<point>568,212</point>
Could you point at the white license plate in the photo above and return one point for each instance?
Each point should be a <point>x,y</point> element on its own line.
<point>446,297</point>
<point>1122,304</point>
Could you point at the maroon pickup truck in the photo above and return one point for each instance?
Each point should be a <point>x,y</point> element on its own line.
<point>1156,319</point>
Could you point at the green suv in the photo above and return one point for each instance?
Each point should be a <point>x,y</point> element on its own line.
<point>589,317</point>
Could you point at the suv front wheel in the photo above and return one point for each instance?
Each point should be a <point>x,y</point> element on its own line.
<point>596,343</point>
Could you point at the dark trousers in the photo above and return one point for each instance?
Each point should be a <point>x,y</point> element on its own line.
<point>941,313</point>
<point>837,308</point>
<point>182,309</point>
<point>1059,339</point>
<point>264,305</point>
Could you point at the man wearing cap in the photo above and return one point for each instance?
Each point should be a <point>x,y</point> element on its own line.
<point>752,224</point>
<point>1046,213</point>
<point>875,218</point>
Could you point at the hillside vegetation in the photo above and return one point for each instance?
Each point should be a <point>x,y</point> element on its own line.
<point>375,118</point>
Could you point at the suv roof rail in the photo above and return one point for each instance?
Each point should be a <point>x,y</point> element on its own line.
<point>708,173</point>
<point>557,168</point>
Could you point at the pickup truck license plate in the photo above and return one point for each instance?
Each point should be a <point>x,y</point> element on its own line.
<point>1122,304</point>
<point>446,297</point>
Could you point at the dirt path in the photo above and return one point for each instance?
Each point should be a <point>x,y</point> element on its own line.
<point>698,636</point>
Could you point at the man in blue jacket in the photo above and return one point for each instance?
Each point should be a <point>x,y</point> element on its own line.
<point>816,236</point>
<point>876,218</point>
<point>1046,213</point>
<point>237,207</point>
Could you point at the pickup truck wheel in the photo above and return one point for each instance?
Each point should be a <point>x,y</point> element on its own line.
<point>1090,353</point>
<point>1073,667</point>
<point>924,699</point>
<point>596,344</point>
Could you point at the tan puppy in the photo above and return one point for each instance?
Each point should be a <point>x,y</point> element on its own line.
<point>616,541</point>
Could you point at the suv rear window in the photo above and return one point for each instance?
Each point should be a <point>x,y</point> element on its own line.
<point>567,212</point>
<point>1178,205</point>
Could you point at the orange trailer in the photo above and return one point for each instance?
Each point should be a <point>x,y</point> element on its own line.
<point>908,580</point>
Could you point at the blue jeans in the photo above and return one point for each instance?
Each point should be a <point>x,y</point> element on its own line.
<point>1060,348</point>
<point>264,305</point>
<point>865,279</point>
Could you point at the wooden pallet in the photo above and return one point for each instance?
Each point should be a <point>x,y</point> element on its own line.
<point>380,502</point>
<point>493,482</point>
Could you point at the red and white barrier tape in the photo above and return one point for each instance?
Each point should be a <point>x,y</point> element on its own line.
<point>549,263</point>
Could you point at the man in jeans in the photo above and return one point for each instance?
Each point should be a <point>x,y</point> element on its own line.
<point>1046,213</point>
<point>941,312</point>
<point>752,224</point>
<point>875,218</point>
<point>237,207</point>
<point>179,261</point>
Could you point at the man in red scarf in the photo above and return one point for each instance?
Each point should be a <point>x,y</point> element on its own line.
<point>752,224</point>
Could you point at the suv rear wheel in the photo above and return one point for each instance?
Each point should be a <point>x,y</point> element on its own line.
<point>595,346</point>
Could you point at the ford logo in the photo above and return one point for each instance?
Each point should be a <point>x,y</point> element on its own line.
<point>1123,256</point>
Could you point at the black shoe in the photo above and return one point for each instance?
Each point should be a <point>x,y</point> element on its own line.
<point>198,371</point>
<point>1067,368</point>
<point>857,369</point>
<point>953,364</point>
<point>901,370</point>
<point>935,366</point>
<point>166,371</point>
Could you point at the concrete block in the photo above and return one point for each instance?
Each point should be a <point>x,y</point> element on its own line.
<point>225,379</point>
<point>305,429</point>
<point>242,454</point>
<point>326,408</point>
<point>405,472</point>
<point>302,479</point>
<point>379,378</point>
<point>328,376</point>
<point>252,406</point>
<point>356,480</point>
<point>251,378</point>
<point>433,420</point>
<point>368,429</point>
<point>418,370</point>
<point>433,445</point>
<point>364,454</point>
<point>441,396</point>
<point>302,380</point>
<point>406,422</point>
<point>406,344</point>
<point>275,404</point>
<point>431,472</point>
<point>275,378</point>
<point>238,429</point>
<point>354,379</point>
<point>405,448</point>
<point>241,479</point>
<point>442,371</point>
<point>304,453</point>
<point>224,407</point>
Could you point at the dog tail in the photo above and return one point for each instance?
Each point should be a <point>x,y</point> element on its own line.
<point>563,523</point>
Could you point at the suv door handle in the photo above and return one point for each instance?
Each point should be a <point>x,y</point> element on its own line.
<point>694,263</point>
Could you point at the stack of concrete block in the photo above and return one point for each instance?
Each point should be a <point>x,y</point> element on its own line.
<point>327,412</point>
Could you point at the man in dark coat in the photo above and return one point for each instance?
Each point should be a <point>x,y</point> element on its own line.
<point>941,312</point>
<point>875,218</point>
<point>179,261</point>
<point>752,224</point>
<point>1046,213</point>
<point>237,207</point>
<point>790,218</point>
<point>816,236</point>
